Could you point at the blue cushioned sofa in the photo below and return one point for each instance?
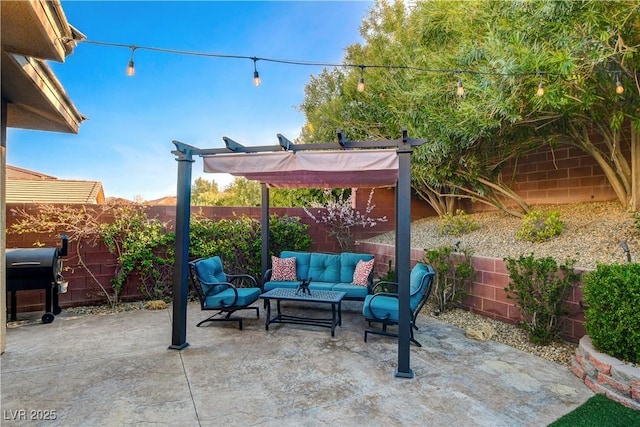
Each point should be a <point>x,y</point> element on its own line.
<point>329,272</point>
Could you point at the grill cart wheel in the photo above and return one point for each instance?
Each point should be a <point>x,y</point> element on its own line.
<point>47,318</point>
<point>57,310</point>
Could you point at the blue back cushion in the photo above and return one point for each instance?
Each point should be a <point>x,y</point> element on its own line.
<point>302,262</point>
<point>418,283</point>
<point>348,262</point>
<point>324,267</point>
<point>210,270</point>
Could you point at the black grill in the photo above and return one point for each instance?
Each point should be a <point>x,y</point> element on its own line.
<point>37,268</point>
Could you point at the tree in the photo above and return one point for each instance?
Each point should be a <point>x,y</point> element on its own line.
<point>499,52</point>
<point>242,192</point>
<point>204,193</point>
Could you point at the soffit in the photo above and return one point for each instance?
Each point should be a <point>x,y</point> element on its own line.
<point>36,28</point>
<point>36,99</point>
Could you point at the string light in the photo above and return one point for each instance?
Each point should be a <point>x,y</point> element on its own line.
<point>619,87</point>
<point>361,87</point>
<point>540,91</point>
<point>459,89</point>
<point>256,76</point>
<point>361,82</point>
<point>131,69</point>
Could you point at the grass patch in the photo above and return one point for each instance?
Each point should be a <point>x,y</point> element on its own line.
<point>599,411</point>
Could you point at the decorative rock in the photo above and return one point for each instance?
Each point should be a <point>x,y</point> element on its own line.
<point>480,332</point>
<point>155,305</point>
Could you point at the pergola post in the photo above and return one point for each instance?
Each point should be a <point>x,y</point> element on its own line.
<point>264,220</point>
<point>403,258</point>
<point>180,271</point>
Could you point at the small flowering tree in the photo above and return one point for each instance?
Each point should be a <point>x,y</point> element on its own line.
<point>340,216</point>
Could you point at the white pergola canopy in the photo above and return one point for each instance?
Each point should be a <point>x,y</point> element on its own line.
<point>318,169</point>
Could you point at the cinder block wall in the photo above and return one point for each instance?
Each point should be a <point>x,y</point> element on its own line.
<point>556,176</point>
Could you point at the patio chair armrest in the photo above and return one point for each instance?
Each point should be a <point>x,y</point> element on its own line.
<point>373,297</point>
<point>227,285</point>
<point>266,276</point>
<point>382,284</point>
<point>232,278</point>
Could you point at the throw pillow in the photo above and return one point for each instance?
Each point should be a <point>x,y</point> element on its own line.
<point>362,271</point>
<point>283,269</point>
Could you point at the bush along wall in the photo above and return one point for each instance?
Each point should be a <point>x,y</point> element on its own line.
<point>541,293</point>
<point>612,297</point>
<point>237,241</point>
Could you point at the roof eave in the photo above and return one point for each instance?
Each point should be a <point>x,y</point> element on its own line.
<point>36,99</point>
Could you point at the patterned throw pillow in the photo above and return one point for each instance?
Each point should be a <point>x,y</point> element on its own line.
<point>283,269</point>
<point>362,271</point>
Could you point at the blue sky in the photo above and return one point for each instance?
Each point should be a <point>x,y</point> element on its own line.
<point>126,141</point>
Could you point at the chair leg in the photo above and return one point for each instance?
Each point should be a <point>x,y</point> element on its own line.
<point>228,317</point>
<point>386,333</point>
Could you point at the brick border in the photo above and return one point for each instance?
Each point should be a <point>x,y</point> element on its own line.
<point>607,375</point>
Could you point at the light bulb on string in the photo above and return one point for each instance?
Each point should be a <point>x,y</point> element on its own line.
<point>131,69</point>
<point>256,76</point>
<point>361,82</point>
<point>619,87</point>
<point>540,91</point>
<point>459,89</point>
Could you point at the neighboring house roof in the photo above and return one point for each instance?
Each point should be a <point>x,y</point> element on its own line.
<point>26,186</point>
<point>34,31</point>
<point>54,191</point>
<point>163,201</point>
<point>14,172</point>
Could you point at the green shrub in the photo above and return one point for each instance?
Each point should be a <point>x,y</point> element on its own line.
<point>141,245</point>
<point>612,296</point>
<point>390,275</point>
<point>238,240</point>
<point>457,225</point>
<point>540,292</point>
<point>452,270</point>
<point>538,226</point>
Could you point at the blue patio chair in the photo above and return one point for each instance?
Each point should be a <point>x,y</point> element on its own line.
<point>224,293</point>
<point>382,307</point>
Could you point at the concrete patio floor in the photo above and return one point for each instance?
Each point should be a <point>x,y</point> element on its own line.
<point>117,370</point>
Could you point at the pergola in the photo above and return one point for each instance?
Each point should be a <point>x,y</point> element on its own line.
<point>287,165</point>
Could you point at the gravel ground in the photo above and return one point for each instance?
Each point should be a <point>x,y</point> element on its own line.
<point>592,233</point>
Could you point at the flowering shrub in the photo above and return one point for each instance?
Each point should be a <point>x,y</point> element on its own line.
<point>340,216</point>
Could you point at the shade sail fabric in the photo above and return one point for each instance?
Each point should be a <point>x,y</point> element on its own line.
<point>305,169</point>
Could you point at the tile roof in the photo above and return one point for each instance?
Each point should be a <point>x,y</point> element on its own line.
<point>26,186</point>
<point>14,172</point>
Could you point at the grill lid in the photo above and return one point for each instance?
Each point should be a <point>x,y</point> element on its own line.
<point>33,263</point>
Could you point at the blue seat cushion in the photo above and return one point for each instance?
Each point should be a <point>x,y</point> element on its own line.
<point>321,286</point>
<point>418,283</point>
<point>272,284</point>
<point>353,291</point>
<point>223,299</point>
<point>382,307</point>
<point>210,270</point>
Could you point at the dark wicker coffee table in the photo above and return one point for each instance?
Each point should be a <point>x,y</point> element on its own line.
<point>327,297</point>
